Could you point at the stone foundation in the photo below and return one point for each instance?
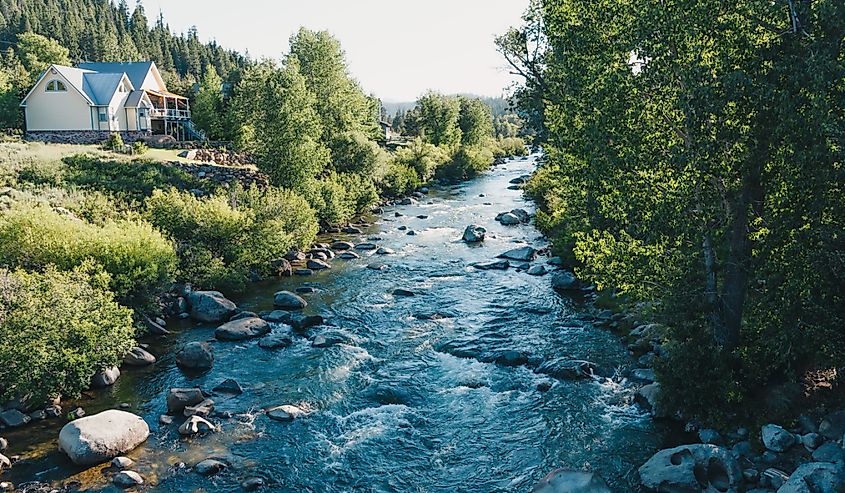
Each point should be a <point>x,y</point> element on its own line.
<point>83,136</point>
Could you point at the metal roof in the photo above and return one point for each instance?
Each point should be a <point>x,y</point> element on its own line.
<point>101,87</point>
<point>136,71</point>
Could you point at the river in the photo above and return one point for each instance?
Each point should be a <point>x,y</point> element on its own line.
<point>409,405</point>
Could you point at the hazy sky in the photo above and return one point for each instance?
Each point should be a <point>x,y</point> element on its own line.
<point>397,49</point>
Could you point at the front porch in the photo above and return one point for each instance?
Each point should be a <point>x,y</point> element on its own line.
<point>171,115</point>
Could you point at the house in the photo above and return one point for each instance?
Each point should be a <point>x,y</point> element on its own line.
<point>84,104</point>
<point>387,129</point>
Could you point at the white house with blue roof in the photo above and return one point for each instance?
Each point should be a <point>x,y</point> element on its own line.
<point>87,102</point>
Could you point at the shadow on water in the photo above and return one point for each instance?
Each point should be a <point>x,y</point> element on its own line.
<point>415,400</point>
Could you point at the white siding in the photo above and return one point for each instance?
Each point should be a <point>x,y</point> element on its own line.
<point>62,110</point>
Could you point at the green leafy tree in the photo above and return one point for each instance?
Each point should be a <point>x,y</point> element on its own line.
<point>475,121</point>
<point>37,52</point>
<point>437,119</point>
<point>207,108</point>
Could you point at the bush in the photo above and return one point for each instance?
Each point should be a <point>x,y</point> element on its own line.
<point>467,162</point>
<point>400,180</point>
<point>139,259</point>
<point>223,238</point>
<point>56,330</point>
<point>139,148</point>
<point>509,147</point>
<point>338,197</point>
<point>114,142</point>
<point>423,158</point>
<point>353,152</point>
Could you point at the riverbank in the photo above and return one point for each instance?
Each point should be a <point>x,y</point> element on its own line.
<point>414,393</point>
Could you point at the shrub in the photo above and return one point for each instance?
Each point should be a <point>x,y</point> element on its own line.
<point>467,162</point>
<point>337,197</point>
<point>400,180</point>
<point>139,148</point>
<point>114,142</point>
<point>510,146</point>
<point>222,238</point>
<point>353,152</point>
<point>139,259</point>
<point>423,158</point>
<point>56,330</point>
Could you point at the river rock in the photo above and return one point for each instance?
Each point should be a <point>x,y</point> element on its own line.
<point>402,292</point>
<point>829,452</point>
<point>210,306</point>
<point>474,234</point>
<point>102,437</point>
<point>306,290</point>
<point>285,412</point>
<point>508,219</point>
<point>245,328</point>
<point>301,323</point>
<point>195,356</point>
<point>777,439</point>
<point>366,246</point>
<point>377,266</point>
<point>242,315</point>
<point>4,444</point>
<point>315,264</point>
<point>196,425</point>
<point>252,484</point>
<point>105,377</point>
<point>647,397</point>
<point>564,481</point>
<point>281,267</point>
<point>565,281</point>
<point>303,272</point>
<point>209,467</point>
<point>352,230</point>
<point>349,255</point>
<point>330,338</point>
<point>203,409</point>
<point>522,254</point>
<point>278,317</point>
<point>276,340</point>
<point>816,477</point>
<point>289,301</point>
<point>536,270</point>
<point>13,418</point>
<point>698,467</point>
<point>228,386</point>
<point>343,245</point>
<point>127,479</point>
<point>832,426</point>
<point>180,398</point>
<point>122,462</point>
<point>138,356</point>
<point>567,369</point>
<point>644,375</point>
<point>522,215</point>
<point>492,265</point>
<point>5,463</point>
<point>384,251</point>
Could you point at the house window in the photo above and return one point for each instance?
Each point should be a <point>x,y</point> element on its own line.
<point>55,86</point>
<point>104,117</point>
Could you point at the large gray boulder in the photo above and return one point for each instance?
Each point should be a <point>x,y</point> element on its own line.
<point>195,356</point>
<point>563,481</point>
<point>508,219</point>
<point>12,418</point>
<point>180,398</point>
<point>138,356</point>
<point>474,234</point>
<point>565,281</point>
<point>524,254</point>
<point>210,306</point>
<point>777,439</point>
<point>567,369</point>
<point>648,397</point>
<point>105,377</point>
<point>816,477</point>
<point>289,301</point>
<point>102,437</point>
<point>196,425</point>
<point>245,328</point>
<point>698,467</point>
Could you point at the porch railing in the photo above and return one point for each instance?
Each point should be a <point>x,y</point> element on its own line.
<point>170,113</point>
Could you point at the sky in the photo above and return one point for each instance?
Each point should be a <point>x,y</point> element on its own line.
<point>397,49</point>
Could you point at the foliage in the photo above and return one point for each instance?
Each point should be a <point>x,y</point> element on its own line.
<point>437,120</point>
<point>353,152</point>
<point>696,160</point>
<point>139,148</point>
<point>139,260</point>
<point>423,158</point>
<point>337,197</point>
<point>400,179</point>
<point>114,142</point>
<point>223,238</point>
<point>275,120</point>
<point>207,107</point>
<point>38,52</point>
<point>509,147</point>
<point>467,163</point>
<point>56,330</point>
<point>475,121</point>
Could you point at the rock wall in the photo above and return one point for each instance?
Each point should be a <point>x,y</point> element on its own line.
<point>83,136</point>
<point>223,175</point>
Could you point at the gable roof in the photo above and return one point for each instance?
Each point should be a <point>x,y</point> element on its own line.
<point>136,71</point>
<point>135,98</point>
<point>73,76</point>
<point>100,88</point>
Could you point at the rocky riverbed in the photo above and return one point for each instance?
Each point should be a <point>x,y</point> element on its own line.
<point>460,358</point>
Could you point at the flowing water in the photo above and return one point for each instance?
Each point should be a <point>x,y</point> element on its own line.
<point>412,404</point>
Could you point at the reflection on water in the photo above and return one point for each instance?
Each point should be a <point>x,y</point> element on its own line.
<point>410,403</point>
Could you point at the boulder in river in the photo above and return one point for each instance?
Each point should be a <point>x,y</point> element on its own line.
<point>245,328</point>
<point>508,219</point>
<point>565,281</point>
<point>377,266</point>
<point>315,264</point>
<point>180,398</point>
<point>523,254</point>
<point>343,245</point>
<point>209,467</point>
<point>816,477</point>
<point>536,270</point>
<point>402,292</point>
<point>105,377</point>
<point>301,323</point>
<point>138,356</point>
<point>210,306</point>
<point>366,246</point>
<point>647,397</point>
<point>492,265</point>
<point>384,251</point>
<point>697,467</point>
<point>349,255</point>
<point>278,316</point>
<point>127,479</point>
<point>777,439</point>
<point>196,425</point>
<point>281,267</point>
<point>567,369</point>
<point>101,437</point>
<point>474,234</point>
<point>228,386</point>
<point>195,356</point>
<point>565,481</point>
<point>12,418</point>
<point>285,412</point>
<point>276,340</point>
<point>289,301</point>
